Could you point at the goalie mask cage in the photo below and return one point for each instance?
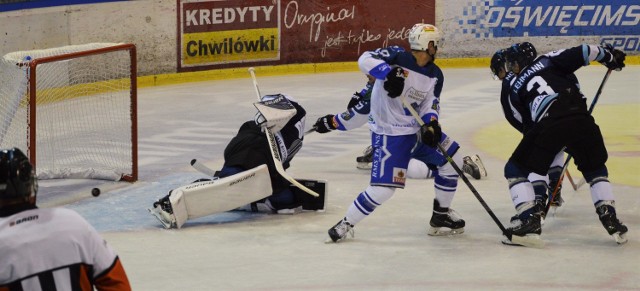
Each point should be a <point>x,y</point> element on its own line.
<point>73,110</point>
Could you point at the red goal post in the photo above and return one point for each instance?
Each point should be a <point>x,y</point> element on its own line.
<point>73,110</point>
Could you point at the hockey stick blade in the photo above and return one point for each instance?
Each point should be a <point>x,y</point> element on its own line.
<point>200,167</point>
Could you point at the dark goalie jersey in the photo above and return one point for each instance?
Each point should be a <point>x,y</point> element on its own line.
<point>249,148</point>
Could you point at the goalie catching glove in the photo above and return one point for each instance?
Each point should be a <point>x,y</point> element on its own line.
<point>325,124</point>
<point>274,111</point>
<point>431,133</point>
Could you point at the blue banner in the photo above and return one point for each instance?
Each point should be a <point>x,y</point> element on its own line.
<point>615,21</point>
<point>10,5</point>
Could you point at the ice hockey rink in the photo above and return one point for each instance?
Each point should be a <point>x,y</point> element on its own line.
<point>391,249</point>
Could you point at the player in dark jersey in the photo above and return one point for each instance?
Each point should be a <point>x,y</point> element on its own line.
<point>541,183</point>
<point>546,94</point>
<point>50,248</point>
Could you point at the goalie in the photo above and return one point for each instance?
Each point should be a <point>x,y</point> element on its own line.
<point>248,179</point>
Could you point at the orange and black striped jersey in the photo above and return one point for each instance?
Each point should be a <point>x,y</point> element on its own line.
<point>56,249</point>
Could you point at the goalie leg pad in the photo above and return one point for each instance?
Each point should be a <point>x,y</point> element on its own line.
<point>220,195</point>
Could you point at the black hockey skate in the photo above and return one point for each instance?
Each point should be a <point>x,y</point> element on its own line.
<point>614,227</point>
<point>163,211</point>
<point>340,231</point>
<point>364,161</point>
<point>526,228</point>
<point>445,218</point>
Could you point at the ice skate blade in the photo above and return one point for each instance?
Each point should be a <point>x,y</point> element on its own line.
<point>620,238</point>
<point>161,217</point>
<point>529,240</point>
<point>364,166</point>
<point>444,231</point>
<point>330,241</point>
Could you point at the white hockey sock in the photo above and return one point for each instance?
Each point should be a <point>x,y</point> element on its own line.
<point>601,191</point>
<point>367,201</point>
<point>522,192</point>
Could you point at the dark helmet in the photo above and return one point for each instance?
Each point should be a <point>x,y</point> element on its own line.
<point>522,54</point>
<point>498,61</point>
<point>17,177</point>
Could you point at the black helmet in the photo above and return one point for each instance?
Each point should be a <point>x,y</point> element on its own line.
<point>17,177</point>
<point>522,54</point>
<point>498,62</point>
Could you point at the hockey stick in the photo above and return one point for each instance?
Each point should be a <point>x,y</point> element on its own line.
<point>202,168</point>
<point>310,130</point>
<point>566,162</point>
<point>573,185</point>
<point>537,243</point>
<point>273,147</point>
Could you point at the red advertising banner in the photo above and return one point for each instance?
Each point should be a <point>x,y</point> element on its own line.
<point>231,33</point>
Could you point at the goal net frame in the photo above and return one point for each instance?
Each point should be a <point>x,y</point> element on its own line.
<point>32,111</point>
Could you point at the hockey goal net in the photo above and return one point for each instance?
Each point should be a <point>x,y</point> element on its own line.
<point>72,110</point>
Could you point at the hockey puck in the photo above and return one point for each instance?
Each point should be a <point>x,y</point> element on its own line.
<point>95,192</point>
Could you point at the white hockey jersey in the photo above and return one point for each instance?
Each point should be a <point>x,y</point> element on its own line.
<point>422,89</point>
<point>56,247</point>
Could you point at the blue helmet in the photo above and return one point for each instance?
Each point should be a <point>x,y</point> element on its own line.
<point>523,54</point>
<point>17,176</point>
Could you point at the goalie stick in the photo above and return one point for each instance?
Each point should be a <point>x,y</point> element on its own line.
<point>202,168</point>
<point>518,240</point>
<point>566,162</point>
<point>273,146</point>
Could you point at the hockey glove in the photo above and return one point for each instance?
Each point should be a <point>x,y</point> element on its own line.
<point>395,82</point>
<point>431,133</point>
<point>613,58</point>
<point>325,124</point>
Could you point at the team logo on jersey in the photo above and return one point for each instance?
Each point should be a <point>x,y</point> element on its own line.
<point>346,115</point>
<point>399,175</point>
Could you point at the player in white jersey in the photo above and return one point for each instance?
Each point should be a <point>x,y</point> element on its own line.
<point>48,249</point>
<point>394,130</point>
<point>357,114</point>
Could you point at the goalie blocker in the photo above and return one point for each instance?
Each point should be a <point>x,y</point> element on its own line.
<point>245,190</point>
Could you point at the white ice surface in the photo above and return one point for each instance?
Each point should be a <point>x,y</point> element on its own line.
<point>391,251</point>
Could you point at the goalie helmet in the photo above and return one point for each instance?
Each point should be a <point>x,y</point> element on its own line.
<point>17,177</point>
<point>422,34</point>
<point>523,54</point>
